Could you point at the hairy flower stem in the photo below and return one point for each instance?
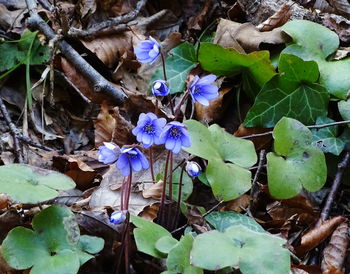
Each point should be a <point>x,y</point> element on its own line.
<point>126,236</point>
<point>177,211</point>
<point>178,108</point>
<point>162,202</point>
<point>150,150</point>
<point>170,188</point>
<point>166,79</point>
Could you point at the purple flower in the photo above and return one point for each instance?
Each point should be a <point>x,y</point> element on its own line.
<point>148,129</point>
<point>118,217</point>
<point>160,88</point>
<point>108,153</point>
<point>193,169</point>
<point>131,158</point>
<point>202,89</point>
<point>147,51</point>
<point>174,136</point>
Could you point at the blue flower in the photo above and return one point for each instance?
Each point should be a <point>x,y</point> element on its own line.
<point>175,136</point>
<point>147,51</point>
<point>108,153</point>
<point>118,217</point>
<point>160,88</point>
<point>148,129</point>
<point>131,158</point>
<point>193,169</point>
<point>202,89</point>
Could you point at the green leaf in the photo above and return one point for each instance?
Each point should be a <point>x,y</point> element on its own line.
<point>181,60</point>
<point>178,260</point>
<point>223,220</point>
<point>295,163</point>
<point>227,180</point>
<point>10,56</point>
<point>239,246</point>
<point>187,185</point>
<point>147,234</point>
<point>165,244</point>
<point>318,45</point>
<point>29,184</point>
<point>291,94</point>
<point>344,109</point>
<point>255,67</point>
<point>326,139</point>
<point>52,247</point>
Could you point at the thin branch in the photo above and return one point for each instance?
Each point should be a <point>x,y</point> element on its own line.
<point>309,127</point>
<point>100,84</point>
<point>108,24</point>
<point>260,165</point>
<point>342,165</point>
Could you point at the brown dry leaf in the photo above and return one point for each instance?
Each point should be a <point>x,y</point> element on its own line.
<point>299,207</point>
<point>4,201</point>
<point>150,212</point>
<point>259,142</point>
<point>341,6</point>
<point>335,253</point>
<point>305,269</point>
<point>86,7</point>
<point>318,234</point>
<point>238,204</point>
<point>341,53</point>
<point>77,168</point>
<point>279,18</point>
<point>196,23</point>
<point>11,20</point>
<point>214,111</point>
<point>338,24</point>
<point>245,37</point>
<point>195,218</point>
<point>154,191</point>
<point>111,126</point>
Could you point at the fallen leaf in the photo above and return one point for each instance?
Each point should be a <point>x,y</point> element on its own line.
<point>335,252</point>
<point>276,20</point>
<point>245,37</point>
<point>305,269</point>
<point>259,142</point>
<point>238,205</point>
<point>196,220</point>
<point>341,6</point>
<point>150,212</point>
<point>338,24</point>
<point>318,234</point>
<point>197,22</point>
<point>154,191</point>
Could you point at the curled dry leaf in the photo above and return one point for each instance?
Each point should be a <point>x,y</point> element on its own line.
<point>215,110</point>
<point>245,37</point>
<point>196,219</point>
<point>238,204</point>
<point>335,253</point>
<point>341,6</point>
<point>318,234</point>
<point>259,142</point>
<point>305,269</point>
<point>279,18</point>
<point>338,24</point>
<point>197,22</point>
<point>154,191</point>
<point>150,212</point>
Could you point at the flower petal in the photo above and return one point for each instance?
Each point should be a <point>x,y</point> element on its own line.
<point>136,164</point>
<point>170,143</point>
<point>207,80</point>
<point>123,161</point>
<point>177,147</point>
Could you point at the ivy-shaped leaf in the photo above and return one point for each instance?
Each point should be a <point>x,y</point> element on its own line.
<point>292,93</point>
<point>255,67</point>
<point>228,156</point>
<point>344,109</point>
<point>223,220</point>
<point>315,42</point>
<point>326,139</point>
<point>295,162</point>
<point>29,184</point>
<point>252,251</point>
<point>181,60</point>
<point>53,246</point>
<point>146,236</point>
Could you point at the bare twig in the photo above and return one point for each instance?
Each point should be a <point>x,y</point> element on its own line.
<point>108,24</point>
<point>99,83</point>
<point>13,131</point>
<point>309,127</point>
<point>342,165</point>
<point>260,165</point>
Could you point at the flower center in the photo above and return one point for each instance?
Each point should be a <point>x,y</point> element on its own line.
<point>149,128</point>
<point>196,90</point>
<point>175,133</point>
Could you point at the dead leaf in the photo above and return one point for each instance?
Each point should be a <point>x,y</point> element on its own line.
<point>238,204</point>
<point>279,18</point>
<point>334,254</point>
<point>305,269</point>
<point>245,37</point>
<point>215,110</point>
<point>197,22</point>
<point>338,24</point>
<point>11,20</point>
<point>195,218</point>
<point>259,142</point>
<point>317,235</point>
<point>154,191</point>
<point>104,124</point>
<point>150,212</point>
<point>341,6</point>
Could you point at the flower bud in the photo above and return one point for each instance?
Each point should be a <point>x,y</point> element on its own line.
<point>193,169</point>
<point>118,217</point>
<point>160,88</point>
